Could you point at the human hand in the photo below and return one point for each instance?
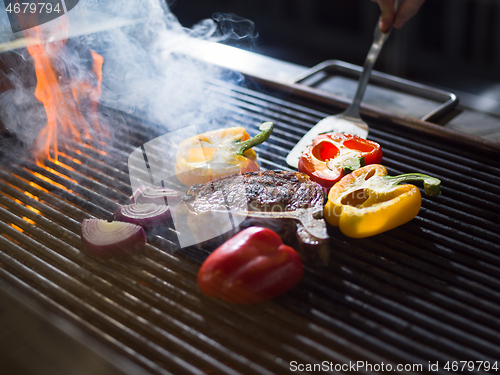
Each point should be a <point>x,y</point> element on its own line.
<point>407,10</point>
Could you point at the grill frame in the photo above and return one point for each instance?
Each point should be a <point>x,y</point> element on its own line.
<point>367,316</point>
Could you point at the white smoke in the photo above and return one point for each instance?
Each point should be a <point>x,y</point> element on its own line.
<point>143,73</point>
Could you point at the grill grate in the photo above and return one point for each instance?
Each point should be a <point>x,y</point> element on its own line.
<point>426,291</point>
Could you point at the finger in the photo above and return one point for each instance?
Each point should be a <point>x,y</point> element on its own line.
<point>406,11</point>
<point>387,14</point>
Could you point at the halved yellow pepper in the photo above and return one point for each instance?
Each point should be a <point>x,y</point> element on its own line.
<point>218,153</point>
<point>368,201</point>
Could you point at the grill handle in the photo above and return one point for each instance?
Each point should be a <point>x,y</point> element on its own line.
<point>448,100</point>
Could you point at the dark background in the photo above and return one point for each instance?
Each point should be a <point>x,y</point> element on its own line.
<point>451,43</point>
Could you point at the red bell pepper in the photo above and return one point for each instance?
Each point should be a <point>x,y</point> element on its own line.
<point>253,266</point>
<point>332,156</point>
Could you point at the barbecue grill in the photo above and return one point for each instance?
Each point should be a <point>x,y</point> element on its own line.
<point>423,294</point>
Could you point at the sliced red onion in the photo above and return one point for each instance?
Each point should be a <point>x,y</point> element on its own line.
<point>156,194</point>
<point>107,239</point>
<point>147,215</point>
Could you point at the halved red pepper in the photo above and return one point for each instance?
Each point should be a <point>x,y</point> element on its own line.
<point>253,266</point>
<point>332,156</point>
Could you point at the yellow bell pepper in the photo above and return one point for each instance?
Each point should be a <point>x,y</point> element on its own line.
<point>368,201</point>
<point>218,153</point>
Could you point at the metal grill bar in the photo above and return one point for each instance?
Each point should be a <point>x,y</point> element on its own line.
<point>426,291</point>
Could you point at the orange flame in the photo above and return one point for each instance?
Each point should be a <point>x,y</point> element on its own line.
<point>70,98</point>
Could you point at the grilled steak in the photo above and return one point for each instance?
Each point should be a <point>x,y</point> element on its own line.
<point>263,191</point>
<point>287,202</point>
